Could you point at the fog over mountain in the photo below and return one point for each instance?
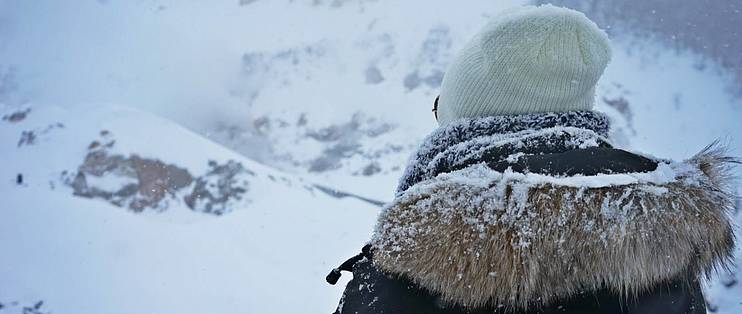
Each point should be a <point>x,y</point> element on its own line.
<point>169,156</point>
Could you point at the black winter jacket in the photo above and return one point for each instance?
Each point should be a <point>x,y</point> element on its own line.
<point>541,214</point>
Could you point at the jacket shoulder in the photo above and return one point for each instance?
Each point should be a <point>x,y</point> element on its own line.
<point>373,292</point>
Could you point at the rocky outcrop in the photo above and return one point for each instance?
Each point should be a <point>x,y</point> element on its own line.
<point>131,181</point>
<point>17,116</point>
<point>19,307</point>
<point>139,183</point>
<point>218,190</point>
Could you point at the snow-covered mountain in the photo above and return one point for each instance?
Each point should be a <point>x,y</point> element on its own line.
<point>84,250</point>
<point>170,151</point>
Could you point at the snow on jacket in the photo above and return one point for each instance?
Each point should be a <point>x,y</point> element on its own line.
<point>539,213</point>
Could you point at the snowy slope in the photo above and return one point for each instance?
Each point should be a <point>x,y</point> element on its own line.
<point>79,255</point>
<point>340,90</point>
<point>334,91</point>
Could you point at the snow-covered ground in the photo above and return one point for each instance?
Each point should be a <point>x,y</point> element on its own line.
<point>298,93</point>
<point>81,255</point>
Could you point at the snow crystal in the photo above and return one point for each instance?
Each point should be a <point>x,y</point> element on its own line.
<point>481,175</point>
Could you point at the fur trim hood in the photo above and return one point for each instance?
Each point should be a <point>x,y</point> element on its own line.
<point>481,237</point>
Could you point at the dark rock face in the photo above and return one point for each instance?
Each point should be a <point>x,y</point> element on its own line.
<point>371,169</point>
<point>31,137</point>
<point>140,183</point>
<point>373,75</point>
<point>216,191</point>
<point>133,182</point>
<point>24,307</point>
<point>17,116</point>
<point>342,141</point>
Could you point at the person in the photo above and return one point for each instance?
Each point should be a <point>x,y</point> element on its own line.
<point>518,202</point>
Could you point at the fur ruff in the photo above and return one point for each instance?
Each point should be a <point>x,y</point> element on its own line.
<point>483,238</point>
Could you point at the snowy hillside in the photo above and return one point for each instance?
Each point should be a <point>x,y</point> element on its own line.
<point>83,255</point>
<point>172,150</point>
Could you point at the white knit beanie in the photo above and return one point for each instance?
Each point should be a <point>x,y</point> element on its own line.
<point>528,60</point>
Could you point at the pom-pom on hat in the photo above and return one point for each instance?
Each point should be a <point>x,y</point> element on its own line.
<point>527,60</point>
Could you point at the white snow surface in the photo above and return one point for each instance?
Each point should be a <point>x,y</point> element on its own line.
<point>482,175</point>
<point>283,85</point>
<point>78,255</point>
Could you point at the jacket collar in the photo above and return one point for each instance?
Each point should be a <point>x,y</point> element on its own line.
<point>464,130</point>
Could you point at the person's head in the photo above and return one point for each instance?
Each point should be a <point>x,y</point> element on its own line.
<point>532,59</point>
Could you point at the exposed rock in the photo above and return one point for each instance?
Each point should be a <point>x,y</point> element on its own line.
<point>30,137</point>
<point>335,146</point>
<point>373,75</point>
<point>343,141</point>
<point>27,138</point>
<point>217,191</point>
<point>139,183</point>
<point>34,309</point>
<point>302,121</point>
<point>411,80</point>
<point>17,116</point>
<point>16,307</point>
<point>127,181</point>
<point>432,80</point>
<point>134,182</point>
<point>333,133</point>
<point>333,156</point>
<point>371,169</point>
